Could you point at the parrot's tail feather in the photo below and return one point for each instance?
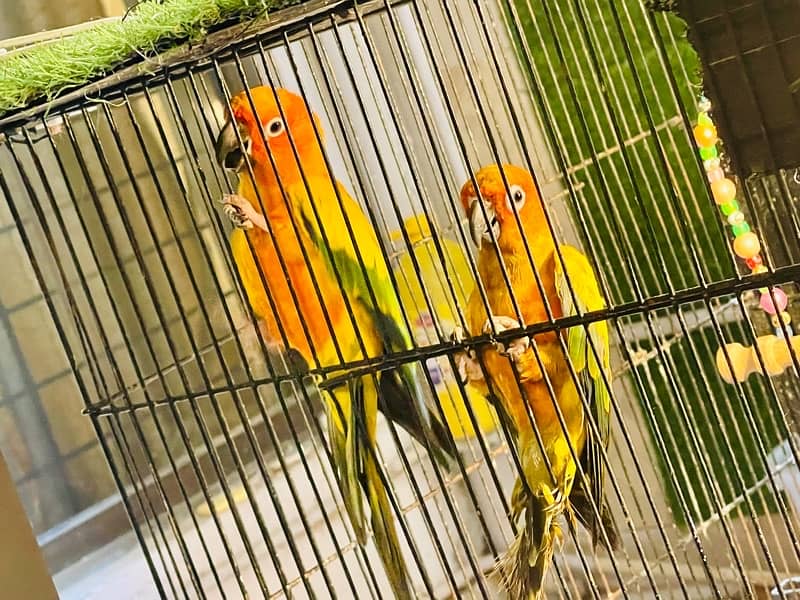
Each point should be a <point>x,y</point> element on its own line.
<point>345,446</point>
<point>353,499</point>
<point>539,569</point>
<point>515,573</point>
<point>384,531</point>
<point>594,487</point>
<point>523,567</point>
<point>395,401</point>
<point>584,512</point>
<point>359,474</point>
<point>590,488</point>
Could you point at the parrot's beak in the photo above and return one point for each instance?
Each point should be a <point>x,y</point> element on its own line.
<point>230,154</point>
<point>483,223</point>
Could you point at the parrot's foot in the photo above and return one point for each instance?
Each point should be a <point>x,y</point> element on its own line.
<point>237,218</point>
<point>499,324</point>
<point>241,213</point>
<point>469,369</point>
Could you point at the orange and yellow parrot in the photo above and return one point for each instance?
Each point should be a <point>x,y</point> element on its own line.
<point>316,255</point>
<point>549,488</point>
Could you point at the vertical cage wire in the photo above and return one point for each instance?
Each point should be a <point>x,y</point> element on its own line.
<point>215,436</point>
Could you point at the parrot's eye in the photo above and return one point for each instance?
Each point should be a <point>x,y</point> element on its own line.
<point>275,127</point>
<point>516,197</point>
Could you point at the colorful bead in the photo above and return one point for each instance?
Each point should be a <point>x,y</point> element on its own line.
<point>781,301</point>
<point>724,191</point>
<point>729,207</point>
<point>709,152</point>
<point>735,218</point>
<point>716,175</point>
<point>740,229</point>
<point>746,245</point>
<point>705,135</point>
<point>754,262</point>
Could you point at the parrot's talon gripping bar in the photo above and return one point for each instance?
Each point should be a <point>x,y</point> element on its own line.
<point>236,216</point>
<point>241,213</point>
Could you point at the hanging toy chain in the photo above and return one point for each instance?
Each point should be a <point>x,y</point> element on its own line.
<point>773,348</point>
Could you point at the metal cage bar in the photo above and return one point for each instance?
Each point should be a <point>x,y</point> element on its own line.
<point>212,428</point>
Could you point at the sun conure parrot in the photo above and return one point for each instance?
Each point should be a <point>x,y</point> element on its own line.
<point>305,219</point>
<point>546,492</point>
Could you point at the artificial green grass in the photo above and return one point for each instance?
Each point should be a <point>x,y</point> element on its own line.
<point>44,70</point>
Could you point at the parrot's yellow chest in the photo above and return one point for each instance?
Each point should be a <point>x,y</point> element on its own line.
<point>526,396</point>
<point>291,288</point>
<point>287,284</point>
<point>517,272</point>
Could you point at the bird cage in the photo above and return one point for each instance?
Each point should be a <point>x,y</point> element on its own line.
<point>216,430</point>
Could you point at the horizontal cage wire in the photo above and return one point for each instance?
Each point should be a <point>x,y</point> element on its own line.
<point>221,346</point>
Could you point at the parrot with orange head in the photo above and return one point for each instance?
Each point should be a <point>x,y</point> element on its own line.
<point>316,256</point>
<point>509,227</point>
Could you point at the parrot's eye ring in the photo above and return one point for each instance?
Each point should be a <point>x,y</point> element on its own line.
<point>516,197</point>
<point>275,127</point>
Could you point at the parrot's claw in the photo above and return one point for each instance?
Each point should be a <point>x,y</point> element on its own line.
<point>236,217</point>
<point>457,335</point>
<point>499,324</point>
<point>241,213</point>
<point>469,369</point>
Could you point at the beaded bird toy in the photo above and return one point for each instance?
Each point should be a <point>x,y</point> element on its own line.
<point>774,349</point>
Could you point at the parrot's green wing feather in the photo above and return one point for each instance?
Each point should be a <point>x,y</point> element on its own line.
<point>365,279</point>
<point>578,290</point>
<point>335,226</point>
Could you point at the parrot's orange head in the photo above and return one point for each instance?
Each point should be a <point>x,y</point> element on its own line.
<point>281,118</point>
<point>501,192</point>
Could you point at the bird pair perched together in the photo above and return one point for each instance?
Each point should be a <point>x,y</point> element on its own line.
<point>314,273</point>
